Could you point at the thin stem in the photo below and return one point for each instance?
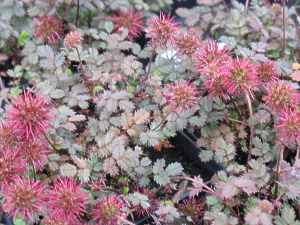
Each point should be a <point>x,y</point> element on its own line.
<point>236,107</point>
<point>163,121</point>
<point>247,5</point>
<point>33,171</point>
<point>77,14</point>
<point>205,187</point>
<point>237,121</point>
<point>50,143</point>
<point>150,64</point>
<point>78,54</point>
<point>283,30</point>
<point>278,166</point>
<point>79,58</point>
<point>297,154</point>
<point>251,135</point>
<point>298,150</point>
<point>64,7</point>
<point>1,84</point>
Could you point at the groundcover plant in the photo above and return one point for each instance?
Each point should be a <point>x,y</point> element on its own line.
<point>149,112</point>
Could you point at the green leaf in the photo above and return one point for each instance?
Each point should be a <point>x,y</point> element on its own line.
<point>206,155</point>
<point>23,38</point>
<point>97,89</point>
<point>150,138</point>
<point>212,200</point>
<point>158,166</point>
<point>15,91</point>
<point>287,216</point>
<point>174,169</point>
<point>108,26</point>
<point>230,41</point>
<point>139,199</point>
<point>198,120</point>
<point>69,72</point>
<point>19,221</point>
<point>125,190</point>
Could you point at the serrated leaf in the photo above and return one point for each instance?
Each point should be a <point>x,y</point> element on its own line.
<point>108,26</point>
<point>68,170</point>
<point>77,118</point>
<point>287,216</point>
<point>212,200</point>
<point>150,138</point>
<point>69,126</point>
<point>23,38</point>
<point>159,166</point>
<point>174,169</point>
<point>206,155</point>
<point>139,199</point>
<point>57,94</point>
<point>84,175</point>
<point>198,120</point>
<point>162,178</point>
<point>141,116</point>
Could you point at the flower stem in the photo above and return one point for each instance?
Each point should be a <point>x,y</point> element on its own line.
<point>298,151</point>
<point>50,143</point>
<point>283,30</point>
<point>278,166</point>
<point>33,171</point>
<point>79,58</point>
<point>150,64</point>
<point>247,5</point>
<point>251,135</point>
<point>237,121</point>
<point>77,14</point>
<point>236,107</point>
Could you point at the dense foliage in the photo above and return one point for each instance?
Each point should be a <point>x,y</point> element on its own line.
<point>133,112</point>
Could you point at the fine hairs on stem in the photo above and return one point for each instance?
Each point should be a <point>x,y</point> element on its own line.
<point>247,5</point>
<point>50,143</point>
<point>79,58</point>
<point>283,29</point>
<point>249,104</point>
<point>77,14</point>
<point>278,166</point>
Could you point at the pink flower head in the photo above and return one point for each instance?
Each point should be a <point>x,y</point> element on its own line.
<point>8,139</point>
<point>36,153</point>
<point>210,58</point>
<point>215,86</point>
<point>241,77</point>
<point>131,20</point>
<point>66,201</point>
<point>192,208</point>
<point>48,29</point>
<point>23,197</point>
<point>281,96</point>
<point>30,115</point>
<point>48,221</point>
<point>181,95</point>
<point>267,72</point>
<point>73,39</point>
<point>288,126</point>
<point>187,43</point>
<point>12,164</point>
<point>109,211</point>
<point>162,31</point>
